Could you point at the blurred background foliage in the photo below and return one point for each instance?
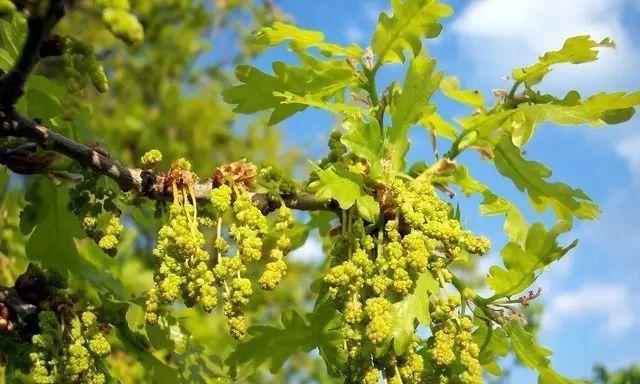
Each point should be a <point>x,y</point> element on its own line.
<point>165,94</point>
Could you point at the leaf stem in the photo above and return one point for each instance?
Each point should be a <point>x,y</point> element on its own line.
<point>371,87</point>
<point>455,150</point>
<point>514,88</point>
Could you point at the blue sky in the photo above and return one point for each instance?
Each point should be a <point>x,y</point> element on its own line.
<point>590,296</point>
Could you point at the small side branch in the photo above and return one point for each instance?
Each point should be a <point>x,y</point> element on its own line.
<point>40,26</point>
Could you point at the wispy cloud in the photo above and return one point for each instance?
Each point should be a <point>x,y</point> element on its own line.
<point>498,35</point>
<point>372,9</point>
<point>609,301</point>
<point>355,34</point>
<point>628,150</point>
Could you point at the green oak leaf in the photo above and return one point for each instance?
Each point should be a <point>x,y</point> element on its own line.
<point>461,177</point>
<point>493,343</point>
<point>413,307</point>
<point>410,105</point>
<point>52,240</point>
<point>523,260</point>
<point>522,127</point>
<point>274,345</point>
<point>412,20</point>
<point>259,91</point>
<point>338,184</point>
<point>597,110</point>
<point>311,101</point>
<point>366,140</point>
<point>160,372</point>
<point>532,355</point>
<point>515,225</point>
<point>368,208</point>
<point>450,86</point>
<point>531,177</point>
<point>436,124</point>
<point>12,35</point>
<point>486,126</point>
<point>301,39</point>
<point>576,50</point>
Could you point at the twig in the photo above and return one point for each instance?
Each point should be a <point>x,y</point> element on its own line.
<point>12,84</point>
<point>128,179</point>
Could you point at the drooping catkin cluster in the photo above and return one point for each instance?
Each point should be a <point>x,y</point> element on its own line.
<point>248,230</point>
<point>94,203</point>
<point>69,351</point>
<point>81,64</point>
<point>371,271</point>
<point>183,266</point>
<point>452,353</point>
<point>117,16</point>
<point>276,268</point>
<point>185,269</point>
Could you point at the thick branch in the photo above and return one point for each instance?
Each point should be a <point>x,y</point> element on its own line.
<point>16,125</point>
<point>12,84</point>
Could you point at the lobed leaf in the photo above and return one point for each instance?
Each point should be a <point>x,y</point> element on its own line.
<point>259,91</point>
<point>311,101</point>
<point>436,124</point>
<point>576,50</point>
<point>412,20</point>
<point>533,355</point>
<point>366,140</point>
<point>523,260</point>
<point>599,109</point>
<point>301,39</point>
<point>55,227</point>
<point>515,225</point>
<point>410,105</point>
<point>493,343</point>
<point>274,345</point>
<point>531,177</point>
<point>338,184</point>
<point>413,307</point>
<point>450,86</point>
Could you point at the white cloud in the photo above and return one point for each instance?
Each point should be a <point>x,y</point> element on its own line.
<point>613,302</point>
<point>310,252</point>
<point>372,9</point>
<point>628,150</point>
<point>355,34</point>
<point>498,35</point>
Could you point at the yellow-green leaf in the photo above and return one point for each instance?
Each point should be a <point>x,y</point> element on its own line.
<point>450,86</point>
<point>597,110</point>
<point>576,50</point>
<point>301,39</point>
<point>410,105</point>
<point>531,177</point>
<point>412,20</point>
<point>435,123</point>
<point>413,307</point>
<point>259,91</point>
<point>365,140</point>
<point>523,260</point>
<point>533,355</point>
<point>338,184</point>
<point>368,208</point>
<point>515,225</point>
